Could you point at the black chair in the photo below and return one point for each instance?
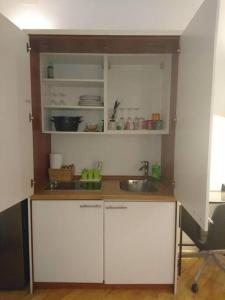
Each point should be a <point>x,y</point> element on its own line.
<point>213,247</point>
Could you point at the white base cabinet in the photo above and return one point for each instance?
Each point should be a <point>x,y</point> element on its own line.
<point>67,241</point>
<point>139,242</point>
<point>128,242</point>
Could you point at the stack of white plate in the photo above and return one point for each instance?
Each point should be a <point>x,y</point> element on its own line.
<point>90,100</point>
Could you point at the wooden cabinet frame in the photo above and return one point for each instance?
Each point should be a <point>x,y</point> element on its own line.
<point>98,44</point>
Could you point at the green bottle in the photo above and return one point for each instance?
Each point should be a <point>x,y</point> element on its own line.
<point>156,171</point>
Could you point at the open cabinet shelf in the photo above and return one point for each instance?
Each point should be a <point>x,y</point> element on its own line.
<point>77,107</point>
<point>111,132</point>
<point>140,82</point>
<point>74,82</point>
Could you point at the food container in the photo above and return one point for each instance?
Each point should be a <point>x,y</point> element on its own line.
<point>63,174</point>
<point>63,123</point>
<point>149,124</point>
<point>158,124</point>
<point>156,116</point>
<point>91,127</point>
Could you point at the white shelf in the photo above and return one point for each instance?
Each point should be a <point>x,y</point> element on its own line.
<point>74,82</point>
<point>75,132</point>
<point>137,132</point>
<point>112,132</point>
<point>78,107</point>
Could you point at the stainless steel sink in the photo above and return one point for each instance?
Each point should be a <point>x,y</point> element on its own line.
<point>74,186</point>
<point>134,186</point>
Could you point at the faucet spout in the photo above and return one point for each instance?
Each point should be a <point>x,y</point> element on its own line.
<point>145,167</point>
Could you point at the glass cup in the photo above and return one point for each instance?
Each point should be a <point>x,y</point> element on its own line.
<point>129,125</point>
<point>120,123</point>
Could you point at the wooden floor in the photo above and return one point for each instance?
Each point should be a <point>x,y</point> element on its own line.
<point>212,287</point>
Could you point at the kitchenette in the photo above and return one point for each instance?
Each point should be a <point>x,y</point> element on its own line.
<point>104,119</point>
<point>93,123</point>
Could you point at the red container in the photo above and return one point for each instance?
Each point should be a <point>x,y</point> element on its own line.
<point>148,124</point>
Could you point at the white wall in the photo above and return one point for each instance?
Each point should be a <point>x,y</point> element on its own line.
<point>121,155</point>
<point>160,16</point>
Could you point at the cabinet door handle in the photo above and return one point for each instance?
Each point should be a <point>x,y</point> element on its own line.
<point>116,207</point>
<point>90,206</point>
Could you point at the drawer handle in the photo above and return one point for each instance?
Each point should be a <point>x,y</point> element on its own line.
<point>116,207</point>
<point>90,206</point>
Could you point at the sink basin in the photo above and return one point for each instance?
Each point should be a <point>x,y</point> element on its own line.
<point>134,186</point>
<point>74,186</point>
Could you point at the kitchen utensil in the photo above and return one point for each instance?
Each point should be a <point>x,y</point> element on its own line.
<point>90,103</point>
<point>63,123</point>
<point>116,105</point>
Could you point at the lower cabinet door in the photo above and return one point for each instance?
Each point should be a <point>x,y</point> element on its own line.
<point>67,241</point>
<point>139,242</point>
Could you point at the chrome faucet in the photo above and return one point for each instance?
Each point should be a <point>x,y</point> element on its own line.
<point>145,167</point>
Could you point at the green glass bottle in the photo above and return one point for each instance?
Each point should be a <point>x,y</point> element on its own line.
<point>156,171</point>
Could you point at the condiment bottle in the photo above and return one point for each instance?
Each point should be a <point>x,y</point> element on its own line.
<point>50,71</point>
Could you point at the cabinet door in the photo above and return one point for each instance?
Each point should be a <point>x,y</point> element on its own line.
<point>139,242</point>
<point>16,151</point>
<point>68,241</point>
<point>194,112</point>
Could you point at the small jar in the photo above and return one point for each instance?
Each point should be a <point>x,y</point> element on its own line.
<point>145,124</point>
<point>50,71</point>
<point>158,124</point>
<point>150,124</point>
<point>156,116</point>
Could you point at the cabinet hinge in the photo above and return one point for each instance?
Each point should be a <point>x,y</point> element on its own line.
<point>32,182</point>
<point>28,47</point>
<point>30,117</point>
<point>178,50</point>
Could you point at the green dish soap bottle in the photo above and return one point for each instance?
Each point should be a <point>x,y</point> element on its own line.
<point>156,171</point>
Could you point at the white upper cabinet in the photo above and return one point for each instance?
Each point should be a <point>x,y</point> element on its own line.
<point>68,88</point>
<point>140,82</point>
<point>16,151</point>
<point>194,111</point>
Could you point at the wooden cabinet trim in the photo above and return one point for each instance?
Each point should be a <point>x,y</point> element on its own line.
<point>104,44</point>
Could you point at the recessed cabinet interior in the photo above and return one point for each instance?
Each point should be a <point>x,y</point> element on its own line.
<point>88,85</point>
<point>74,76</point>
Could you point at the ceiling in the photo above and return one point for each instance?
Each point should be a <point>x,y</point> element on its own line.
<point>111,16</point>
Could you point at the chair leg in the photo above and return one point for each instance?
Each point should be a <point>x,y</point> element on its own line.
<point>194,286</point>
<point>218,262</point>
